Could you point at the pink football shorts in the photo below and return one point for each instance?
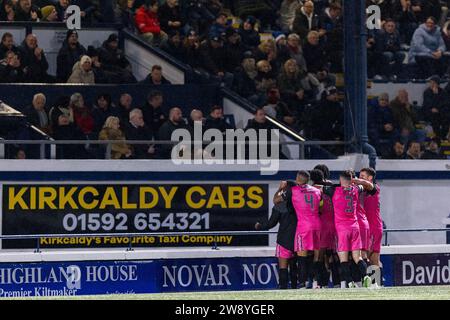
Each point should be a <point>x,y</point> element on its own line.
<point>348,238</point>
<point>282,252</point>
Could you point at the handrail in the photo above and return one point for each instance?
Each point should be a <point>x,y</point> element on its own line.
<point>129,245</point>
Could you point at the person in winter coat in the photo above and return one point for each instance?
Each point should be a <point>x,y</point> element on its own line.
<point>427,49</point>
<point>82,72</point>
<point>70,52</point>
<point>249,36</point>
<point>33,60</point>
<point>171,17</point>
<point>111,131</point>
<point>147,22</point>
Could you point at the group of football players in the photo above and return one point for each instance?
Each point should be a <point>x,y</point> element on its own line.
<point>328,233</point>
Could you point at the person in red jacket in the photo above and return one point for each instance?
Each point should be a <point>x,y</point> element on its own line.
<point>147,22</point>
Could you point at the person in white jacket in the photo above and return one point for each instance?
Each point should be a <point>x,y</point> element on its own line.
<point>82,72</point>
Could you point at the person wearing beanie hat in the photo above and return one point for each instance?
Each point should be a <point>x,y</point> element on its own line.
<point>70,52</point>
<point>82,71</point>
<point>249,36</point>
<point>49,14</point>
<point>219,27</point>
<point>278,36</point>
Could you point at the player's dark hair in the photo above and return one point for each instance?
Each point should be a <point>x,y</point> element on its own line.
<point>304,174</point>
<point>317,176</point>
<point>370,171</point>
<point>347,174</point>
<point>324,169</point>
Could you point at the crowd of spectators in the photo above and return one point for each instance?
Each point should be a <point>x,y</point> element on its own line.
<point>284,56</point>
<point>74,118</point>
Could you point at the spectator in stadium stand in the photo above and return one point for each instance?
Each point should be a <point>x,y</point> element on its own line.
<point>216,120</point>
<point>125,13</point>
<point>153,112</point>
<point>174,46</point>
<point>385,6</point>
<point>387,45</point>
<point>103,108</point>
<point>264,80</point>
<point>397,151</point>
<point>7,45</point>
<point>219,27</point>
<point>100,75</point>
<point>82,72</point>
<point>296,86</point>
<point>7,12</point>
<point>33,60</point>
<point>49,14</point>
<point>26,11</point>
<point>427,49</point>
<point>124,106</point>
<point>136,129</point>
<point>244,78</point>
<point>407,17</point>
<point>282,50</point>
<point>328,118</point>
<point>287,14</point>
<point>192,49</point>
<point>111,131</point>
<point>61,107</point>
<point>147,22</point>
<point>267,50</point>
<point>174,122</point>
<point>87,8</point>
<point>295,50</point>
<point>259,121</point>
<point>446,35</point>
<point>306,20</point>
<point>433,150</point>
<point>436,106</point>
<point>249,36</point>
<point>196,115</point>
<point>61,7</point>
<point>170,17</point>
<point>213,60</point>
<point>114,62</point>
<point>314,53</point>
<point>155,78</point>
<point>277,109</point>
<point>332,24</point>
<point>82,116</point>
<point>381,129</point>
<point>402,111</point>
<point>66,130</point>
<point>37,114</point>
<point>414,150</point>
<point>234,49</point>
<point>20,154</point>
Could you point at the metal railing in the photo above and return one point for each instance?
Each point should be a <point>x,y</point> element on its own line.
<point>108,143</point>
<point>216,234</point>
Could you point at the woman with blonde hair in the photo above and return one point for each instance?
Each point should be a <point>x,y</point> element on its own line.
<point>111,131</point>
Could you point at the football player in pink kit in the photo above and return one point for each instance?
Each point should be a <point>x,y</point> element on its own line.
<point>305,200</point>
<point>372,207</point>
<point>345,198</point>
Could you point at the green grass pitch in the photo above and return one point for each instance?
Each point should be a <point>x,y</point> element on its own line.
<point>387,293</point>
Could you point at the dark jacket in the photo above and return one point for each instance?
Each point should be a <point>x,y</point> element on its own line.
<point>35,70</point>
<point>234,54</point>
<point>249,38</point>
<point>148,80</point>
<point>300,25</point>
<point>141,133</point>
<point>178,52</point>
<point>165,133</point>
<point>213,60</point>
<point>66,59</point>
<point>112,59</point>
<point>243,84</point>
<point>219,124</point>
<point>429,155</point>
<point>101,115</point>
<point>166,14</point>
<point>9,74</point>
<point>26,16</point>
<point>438,101</point>
<point>387,41</point>
<point>315,57</point>
<point>288,224</point>
<point>153,118</point>
<point>4,50</point>
<point>69,132</point>
<point>328,121</point>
